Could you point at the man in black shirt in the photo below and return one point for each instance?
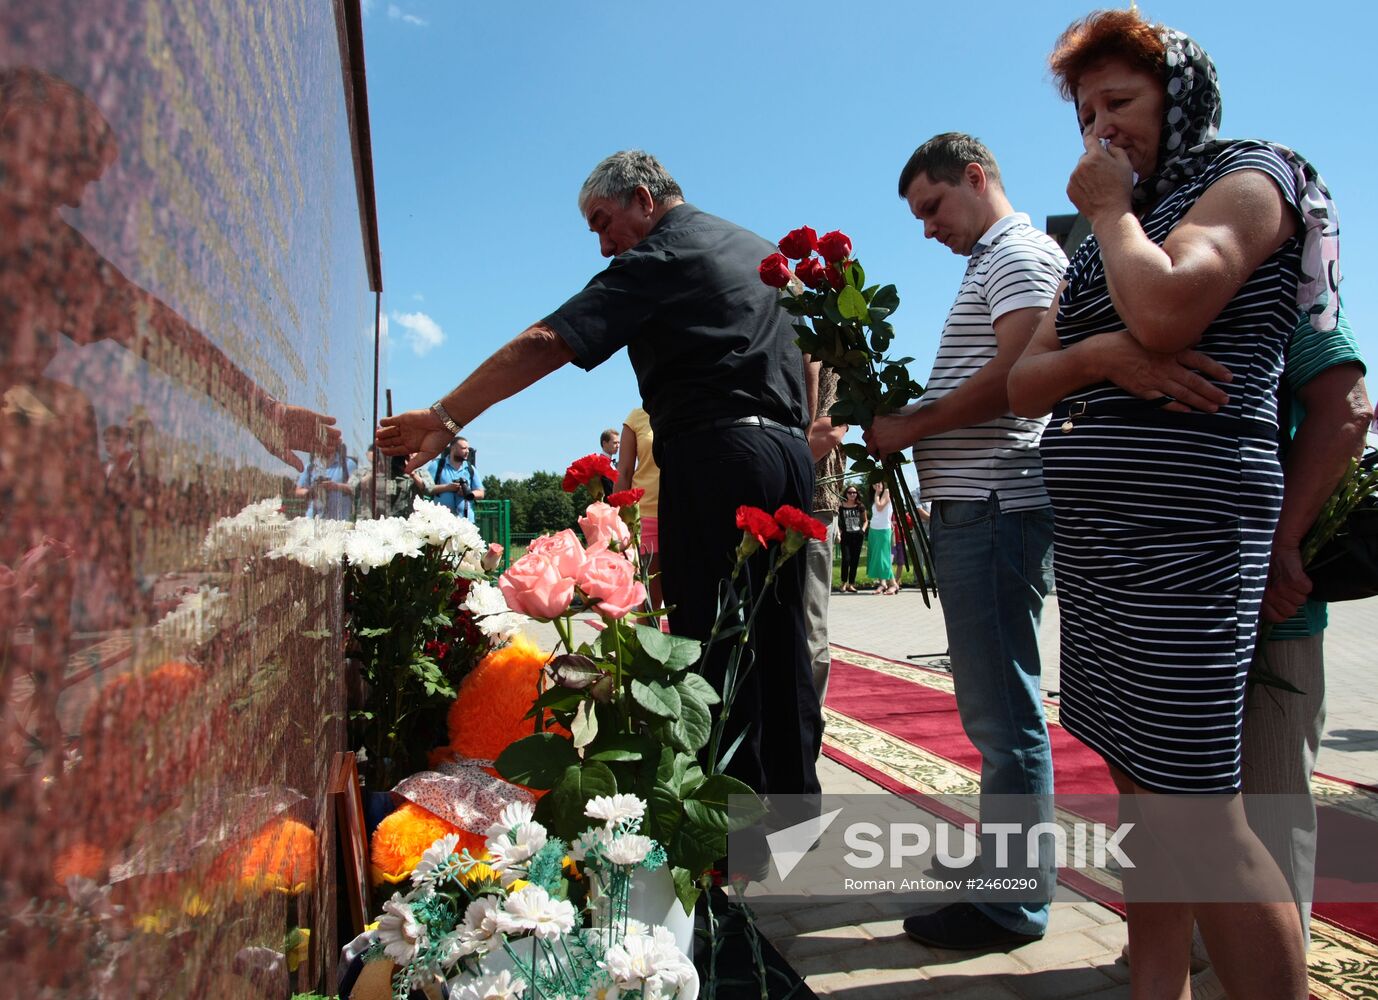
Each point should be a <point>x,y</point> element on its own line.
<point>724,385</point>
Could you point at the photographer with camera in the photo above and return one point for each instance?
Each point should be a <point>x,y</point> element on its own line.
<point>456,483</point>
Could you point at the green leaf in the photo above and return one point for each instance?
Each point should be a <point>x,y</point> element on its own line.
<point>855,450</point>
<point>572,792</point>
<point>557,699</point>
<point>887,298</point>
<point>370,633</point>
<point>856,275</point>
<point>701,688</point>
<point>708,805</point>
<point>693,726</point>
<point>584,728</point>
<point>654,642</point>
<point>537,761</point>
<point>621,747</point>
<point>697,847</point>
<point>657,698</point>
<point>842,409</point>
<point>851,304</point>
<point>685,888</point>
<point>683,652</point>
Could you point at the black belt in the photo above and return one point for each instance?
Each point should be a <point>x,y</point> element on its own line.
<point>1067,414</point>
<point>723,423</point>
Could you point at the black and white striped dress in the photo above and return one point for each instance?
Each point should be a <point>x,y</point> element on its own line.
<point>1164,523</point>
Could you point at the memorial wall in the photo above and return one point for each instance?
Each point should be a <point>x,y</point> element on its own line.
<point>188,299</point>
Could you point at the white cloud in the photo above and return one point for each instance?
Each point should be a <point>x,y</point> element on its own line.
<point>423,333</point>
<point>418,297</point>
<point>396,13</point>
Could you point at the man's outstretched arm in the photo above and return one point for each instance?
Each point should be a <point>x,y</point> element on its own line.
<point>522,361</point>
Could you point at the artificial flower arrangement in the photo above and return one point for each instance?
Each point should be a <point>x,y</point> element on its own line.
<point>849,331</point>
<point>636,710</point>
<point>534,916</point>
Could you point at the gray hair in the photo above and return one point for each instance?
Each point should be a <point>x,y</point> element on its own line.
<point>622,173</point>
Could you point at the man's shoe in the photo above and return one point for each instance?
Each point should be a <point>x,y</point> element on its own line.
<point>962,927</point>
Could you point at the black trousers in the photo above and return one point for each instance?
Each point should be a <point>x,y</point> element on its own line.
<point>851,554</point>
<point>704,477</point>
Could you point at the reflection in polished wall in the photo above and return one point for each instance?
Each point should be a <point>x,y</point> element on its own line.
<point>184,297</point>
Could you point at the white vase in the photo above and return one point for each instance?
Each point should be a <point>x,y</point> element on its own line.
<point>652,900</point>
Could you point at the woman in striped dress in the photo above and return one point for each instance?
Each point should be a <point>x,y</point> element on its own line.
<point>1166,486</point>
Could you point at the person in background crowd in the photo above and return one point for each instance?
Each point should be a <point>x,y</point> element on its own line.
<point>825,444</point>
<point>878,539</point>
<point>456,482</point>
<point>1324,422</point>
<point>610,441</point>
<point>896,548</point>
<point>852,522</point>
<point>329,488</point>
<point>1196,257</point>
<point>723,382</point>
<point>991,526</point>
<point>637,469</point>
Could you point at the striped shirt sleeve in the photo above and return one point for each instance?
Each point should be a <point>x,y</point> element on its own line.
<point>1023,274</point>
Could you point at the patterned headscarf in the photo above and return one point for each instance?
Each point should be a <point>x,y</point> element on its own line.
<point>1188,144</point>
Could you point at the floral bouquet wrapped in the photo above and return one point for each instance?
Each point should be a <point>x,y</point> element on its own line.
<point>535,917</point>
<point>849,331</point>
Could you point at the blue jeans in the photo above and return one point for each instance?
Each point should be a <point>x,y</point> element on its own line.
<point>994,569</point>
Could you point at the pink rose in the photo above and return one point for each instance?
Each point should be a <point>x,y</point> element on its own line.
<point>609,579</point>
<point>492,556</point>
<point>535,587</point>
<point>602,525</point>
<point>561,548</point>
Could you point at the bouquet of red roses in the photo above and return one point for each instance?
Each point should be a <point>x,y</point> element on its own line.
<point>849,331</point>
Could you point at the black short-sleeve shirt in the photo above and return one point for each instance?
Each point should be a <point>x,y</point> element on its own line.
<point>706,338</point>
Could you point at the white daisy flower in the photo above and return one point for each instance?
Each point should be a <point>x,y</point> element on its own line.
<point>629,849</point>
<point>402,934</point>
<point>508,855</point>
<point>533,910</point>
<point>435,856</point>
<point>479,928</point>
<point>502,986</point>
<point>590,841</point>
<point>614,809</point>
<point>513,815</point>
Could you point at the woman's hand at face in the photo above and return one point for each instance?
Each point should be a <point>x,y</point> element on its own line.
<point>1102,181</point>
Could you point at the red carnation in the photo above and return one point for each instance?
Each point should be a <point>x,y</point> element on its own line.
<point>812,272</point>
<point>588,469</point>
<point>625,498</point>
<point>835,246</point>
<point>774,271</point>
<point>799,243</point>
<point>794,519</point>
<point>759,525</point>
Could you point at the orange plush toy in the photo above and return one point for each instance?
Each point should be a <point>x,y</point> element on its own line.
<point>489,712</point>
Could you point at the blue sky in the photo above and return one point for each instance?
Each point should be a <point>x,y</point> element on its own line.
<point>487,117</point>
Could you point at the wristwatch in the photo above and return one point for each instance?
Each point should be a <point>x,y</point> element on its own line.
<point>439,410</point>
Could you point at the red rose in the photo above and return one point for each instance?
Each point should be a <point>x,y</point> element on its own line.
<point>837,276</point>
<point>625,498</point>
<point>812,272</point>
<point>794,519</point>
<point>586,469</point>
<point>774,271</point>
<point>835,246</point>
<point>799,243</point>
<point>759,525</point>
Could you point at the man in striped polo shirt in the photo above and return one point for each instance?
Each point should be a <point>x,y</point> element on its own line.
<point>991,525</point>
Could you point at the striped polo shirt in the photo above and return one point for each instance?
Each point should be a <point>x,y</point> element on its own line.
<point>1013,266</point>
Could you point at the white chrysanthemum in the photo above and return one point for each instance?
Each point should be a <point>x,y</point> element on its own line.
<point>652,965</point>
<point>513,815</point>
<point>593,840</point>
<point>480,927</point>
<point>435,856</point>
<point>465,540</point>
<point>196,619</point>
<point>502,627</point>
<point>532,909</point>
<point>629,849</point>
<point>501,986</point>
<point>495,620</point>
<point>401,933</point>
<point>376,543</point>
<point>508,855</point>
<point>314,543</point>
<point>614,809</point>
